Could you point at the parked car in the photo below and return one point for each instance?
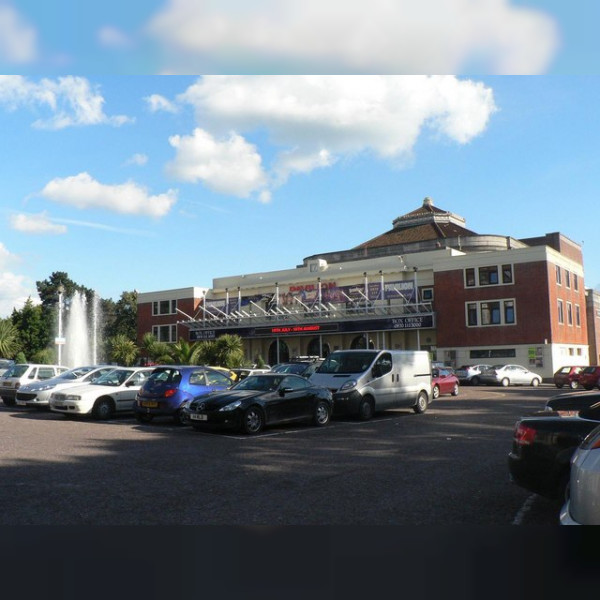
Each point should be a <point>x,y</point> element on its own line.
<point>571,403</point>
<point>37,394</point>
<point>582,506</point>
<point>261,400</point>
<point>469,374</point>
<point>506,375</point>
<point>5,364</point>
<point>443,381</point>
<point>113,392</point>
<point>305,367</point>
<point>23,373</point>
<point>589,377</point>
<point>568,376</point>
<point>542,447</point>
<point>242,373</point>
<point>169,387</point>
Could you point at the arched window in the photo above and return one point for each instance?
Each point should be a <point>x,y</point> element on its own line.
<point>314,348</point>
<point>359,343</point>
<point>284,353</point>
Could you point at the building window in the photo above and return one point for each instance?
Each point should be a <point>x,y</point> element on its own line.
<point>575,282</point>
<point>488,275</point>
<point>561,312</point>
<point>507,274</point>
<point>569,314</point>
<point>164,307</point>
<point>485,314</point>
<point>165,333</point>
<point>568,279</point>
<point>427,294</point>
<point>493,353</point>
<point>558,276</point>
<point>577,315</point>
<point>470,277</point>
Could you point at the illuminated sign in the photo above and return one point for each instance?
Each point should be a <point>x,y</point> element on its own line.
<point>291,329</point>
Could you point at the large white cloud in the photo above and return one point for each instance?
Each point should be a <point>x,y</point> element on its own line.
<point>36,224</point>
<point>70,101</point>
<point>364,36</point>
<point>84,192</point>
<point>231,166</point>
<point>314,120</point>
<point>18,39</point>
<point>15,288</point>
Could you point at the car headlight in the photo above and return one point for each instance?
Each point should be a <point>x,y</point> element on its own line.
<point>231,406</point>
<point>73,398</point>
<point>351,383</point>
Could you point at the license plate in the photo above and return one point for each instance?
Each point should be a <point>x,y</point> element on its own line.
<point>21,403</point>
<point>149,404</point>
<point>195,417</point>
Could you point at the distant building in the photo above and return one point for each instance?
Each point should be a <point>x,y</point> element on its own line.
<point>428,283</point>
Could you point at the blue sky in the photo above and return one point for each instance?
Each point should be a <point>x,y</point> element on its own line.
<point>124,167</point>
<point>155,182</point>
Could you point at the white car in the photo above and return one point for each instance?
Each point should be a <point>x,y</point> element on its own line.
<point>113,392</point>
<point>37,394</point>
<point>506,375</point>
<point>22,374</point>
<point>582,506</point>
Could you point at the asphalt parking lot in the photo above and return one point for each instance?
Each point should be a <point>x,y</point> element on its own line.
<point>445,467</point>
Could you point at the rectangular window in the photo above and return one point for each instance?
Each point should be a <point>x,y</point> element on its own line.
<point>165,333</point>
<point>164,307</point>
<point>561,313</point>
<point>488,275</point>
<point>427,294</point>
<point>470,277</point>
<point>507,274</point>
<point>568,279</point>
<point>509,311</point>
<point>558,276</point>
<point>577,315</point>
<point>490,313</point>
<point>472,315</point>
<point>569,314</point>
<point>493,353</point>
<point>575,282</point>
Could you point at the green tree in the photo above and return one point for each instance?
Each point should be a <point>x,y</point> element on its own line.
<point>122,350</point>
<point>33,333</point>
<point>183,352</point>
<point>47,356</point>
<point>121,317</point>
<point>155,351</point>
<point>9,339</point>
<point>230,351</point>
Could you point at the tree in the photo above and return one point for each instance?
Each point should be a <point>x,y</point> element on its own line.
<point>121,317</point>
<point>33,333</point>
<point>183,352</point>
<point>225,351</point>
<point>155,351</point>
<point>9,339</point>
<point>122,350</point>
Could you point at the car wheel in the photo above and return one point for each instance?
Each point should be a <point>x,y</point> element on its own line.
<point>143,417</point>
<point>455,390</point>
<point>505,382</point>
<point>574,385</point>
<point>535,382</point>
<point>253,420</point>
<point>366,409</point>
<point>321,413</point>
<point>421,405</point>
<point>435,392</point>
<point>103,409</point>
<point>475,380</point>
<point>8,401</point>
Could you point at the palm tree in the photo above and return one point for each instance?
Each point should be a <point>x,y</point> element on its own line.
<point>183,352</point>
<point>230,351</point>
<point>156,351</point>
<point>122,350</point>
<point>9,336</point>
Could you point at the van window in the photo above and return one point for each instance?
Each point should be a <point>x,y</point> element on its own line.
<point>347,362</point>
<point>383,364</point>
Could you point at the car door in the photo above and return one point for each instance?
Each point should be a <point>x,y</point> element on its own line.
<point>292,403</point>
<point>445,382</point>
<point>125,396</point>
<point>217,381</point>
<point>519,375</point>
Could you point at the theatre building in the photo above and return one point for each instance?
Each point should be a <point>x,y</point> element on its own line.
<point>428,283</point>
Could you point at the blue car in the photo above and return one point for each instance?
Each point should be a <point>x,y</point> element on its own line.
<point>169,388</point>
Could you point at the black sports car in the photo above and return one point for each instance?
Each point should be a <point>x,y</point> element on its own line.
<point>261,400</point>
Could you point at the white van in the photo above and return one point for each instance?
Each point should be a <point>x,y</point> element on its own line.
<point>366,381</point>
<point>21,374</point>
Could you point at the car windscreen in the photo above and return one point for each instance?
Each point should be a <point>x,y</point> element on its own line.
<point>262,383</point>
<point>114,378</point>
<point>16,371</point>
<point>295,368</point>
<point>347,362</point>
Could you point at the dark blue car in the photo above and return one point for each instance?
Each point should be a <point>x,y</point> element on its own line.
<point>169,387</point>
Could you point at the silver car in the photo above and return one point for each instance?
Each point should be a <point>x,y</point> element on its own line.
<point>471,373</point>
<point>506,375</point>
<point>583,504</point>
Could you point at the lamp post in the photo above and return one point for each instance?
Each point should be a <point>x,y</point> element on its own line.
<point>59,341</point>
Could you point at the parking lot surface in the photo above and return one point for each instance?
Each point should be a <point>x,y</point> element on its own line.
<point>445,467</point>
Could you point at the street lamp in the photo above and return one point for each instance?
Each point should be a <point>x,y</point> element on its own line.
<point>59,340</point>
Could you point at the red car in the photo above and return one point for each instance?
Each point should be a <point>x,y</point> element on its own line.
<point>590,377</point>
<point>567,376</point>
<point>443,381</point>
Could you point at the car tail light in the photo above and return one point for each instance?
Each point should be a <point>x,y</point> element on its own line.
<point>170,393</point>
<point>524,435</point>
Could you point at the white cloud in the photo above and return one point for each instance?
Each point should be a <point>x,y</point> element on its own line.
<point>137,159</point>
<point>157,103</point>
<point>84,192</point>
<point>314,120</point>
<point>15,288</point>
<point>18,39</point>
<point>36,224</point>
<point>231,166</point>
<point>71,101</point>
<point>111,37</point>
<point>355,36</point>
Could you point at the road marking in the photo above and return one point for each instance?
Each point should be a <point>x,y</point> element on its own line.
<point>518,520</point>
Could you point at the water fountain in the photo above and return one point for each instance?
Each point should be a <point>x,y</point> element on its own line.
<point>81,331</point>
